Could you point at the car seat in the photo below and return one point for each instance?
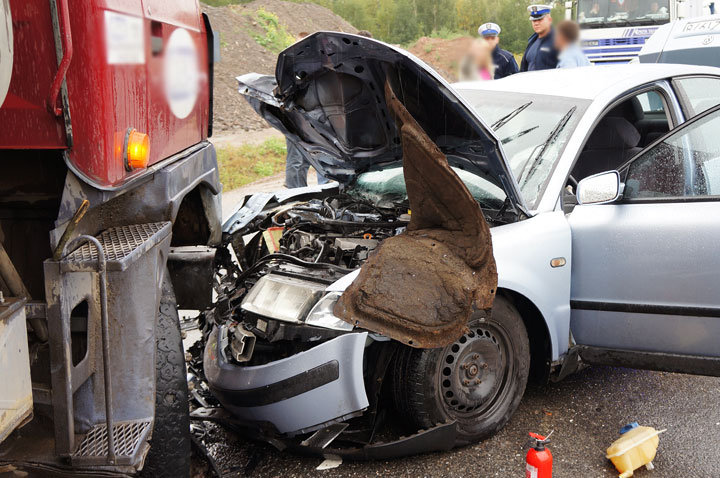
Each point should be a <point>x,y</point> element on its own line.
<point>650,127</point>
<point>614,141</point>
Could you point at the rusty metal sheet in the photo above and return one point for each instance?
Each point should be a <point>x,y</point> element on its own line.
<point>421,287</point>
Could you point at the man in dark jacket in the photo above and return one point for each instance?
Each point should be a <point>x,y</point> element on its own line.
<point>540,53</point>
<point>505,64</point>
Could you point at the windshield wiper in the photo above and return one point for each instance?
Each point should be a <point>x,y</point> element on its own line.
<point>545,145</point>
<point>506,119</point>
<point>515,136</point>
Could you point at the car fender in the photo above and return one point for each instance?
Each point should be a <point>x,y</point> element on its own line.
<point>523,252</point>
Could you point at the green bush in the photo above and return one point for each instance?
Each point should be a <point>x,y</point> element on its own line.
<point>276,37</point>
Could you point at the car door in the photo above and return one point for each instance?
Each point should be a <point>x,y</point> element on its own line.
<point>697,93</point>
<point>645,288</point>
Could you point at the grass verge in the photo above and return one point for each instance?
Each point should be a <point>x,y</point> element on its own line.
<point>240,165</point>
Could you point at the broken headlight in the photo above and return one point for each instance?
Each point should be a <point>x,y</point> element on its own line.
<point>322,314</point>
<point>282,298</point>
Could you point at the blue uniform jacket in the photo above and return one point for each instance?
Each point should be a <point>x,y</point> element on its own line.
<point>547,55</point>
<point>505,64</point>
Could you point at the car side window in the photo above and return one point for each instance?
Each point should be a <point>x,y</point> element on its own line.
<point>684,164</point>
<point>700,93</point>
<point>623,132</point>
<point>651,103</point>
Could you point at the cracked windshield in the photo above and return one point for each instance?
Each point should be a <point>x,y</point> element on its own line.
<point>533,129</point>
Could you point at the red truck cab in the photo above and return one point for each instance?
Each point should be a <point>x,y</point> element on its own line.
<point>109,214</point>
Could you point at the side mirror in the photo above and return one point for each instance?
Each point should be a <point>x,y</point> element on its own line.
<point>599,188</point>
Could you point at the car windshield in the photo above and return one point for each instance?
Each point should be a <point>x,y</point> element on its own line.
<point>386,187</point>
<point>533,129</point>
<point>600,13</point>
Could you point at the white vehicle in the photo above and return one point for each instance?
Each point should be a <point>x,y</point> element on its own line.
<point>692,42</point>
<point>586,271</point>
<point>614,31</point>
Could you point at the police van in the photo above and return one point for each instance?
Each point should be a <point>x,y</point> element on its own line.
<point>694,41</point>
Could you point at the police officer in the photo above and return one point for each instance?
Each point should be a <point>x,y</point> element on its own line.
<point>540,53</point>
<point>505,64</point>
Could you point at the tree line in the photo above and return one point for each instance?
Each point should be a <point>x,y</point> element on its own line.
<point>404,21</point>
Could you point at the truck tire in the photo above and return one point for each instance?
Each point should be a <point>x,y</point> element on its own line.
<point>478,381</point>
<point>169,454</point>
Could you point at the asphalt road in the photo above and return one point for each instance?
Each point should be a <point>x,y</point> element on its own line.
<point>585,411</point>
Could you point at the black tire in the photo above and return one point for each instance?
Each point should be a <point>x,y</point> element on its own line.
<point>478,381</point>
<point>169,454</point>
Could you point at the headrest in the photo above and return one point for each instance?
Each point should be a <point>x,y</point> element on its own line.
<point>613,133</point>
<point>631,110</point>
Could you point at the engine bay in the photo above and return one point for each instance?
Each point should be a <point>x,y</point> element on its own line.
<point>289,254</point>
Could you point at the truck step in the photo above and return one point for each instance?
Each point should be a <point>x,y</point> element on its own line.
<point>130,436</point>
<point>121,245</point>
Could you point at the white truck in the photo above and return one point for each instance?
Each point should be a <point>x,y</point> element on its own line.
<point>614,31</point>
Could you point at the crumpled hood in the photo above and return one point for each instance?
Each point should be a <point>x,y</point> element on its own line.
<point>327,98</point>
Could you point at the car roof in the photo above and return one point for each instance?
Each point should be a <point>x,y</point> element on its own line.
<point>589,82</point>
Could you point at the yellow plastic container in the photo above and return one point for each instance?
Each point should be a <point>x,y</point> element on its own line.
<point>635,448</point>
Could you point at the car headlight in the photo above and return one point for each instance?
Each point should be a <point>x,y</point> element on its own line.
<point>322,314</point>
<point>282,298</point>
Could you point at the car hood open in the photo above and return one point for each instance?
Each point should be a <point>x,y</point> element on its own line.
<point>327,97</point>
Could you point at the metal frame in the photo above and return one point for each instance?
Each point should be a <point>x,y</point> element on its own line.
<point>105,330</point>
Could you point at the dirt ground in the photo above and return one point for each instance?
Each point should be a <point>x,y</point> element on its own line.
<point>240,137</point>
<point>240,53</point>
<point>443,55</point>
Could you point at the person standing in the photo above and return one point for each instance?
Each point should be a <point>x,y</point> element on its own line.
<point>477,65</point>
<point>296,168</point>
<point>505,64</point>
<point>540,53</point>
<point>571,55</point>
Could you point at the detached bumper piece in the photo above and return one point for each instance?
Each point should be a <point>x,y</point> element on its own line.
<point>438,438</point>
<point>294,395</point>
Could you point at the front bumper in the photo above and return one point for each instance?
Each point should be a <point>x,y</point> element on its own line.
<point>294,395</point>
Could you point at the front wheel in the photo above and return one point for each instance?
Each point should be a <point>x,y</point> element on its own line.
<point>478,381</point>
<point>169,455</point>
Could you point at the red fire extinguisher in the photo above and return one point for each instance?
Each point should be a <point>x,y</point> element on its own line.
<point>538,461</point>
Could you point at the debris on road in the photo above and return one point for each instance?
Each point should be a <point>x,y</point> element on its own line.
<point>330,462</point>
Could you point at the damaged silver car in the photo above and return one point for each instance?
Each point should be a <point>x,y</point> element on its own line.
<point>342,305</point>
<point>445,266</point>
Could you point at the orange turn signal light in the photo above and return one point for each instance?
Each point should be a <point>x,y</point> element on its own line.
<point>137,153</point>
